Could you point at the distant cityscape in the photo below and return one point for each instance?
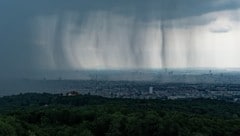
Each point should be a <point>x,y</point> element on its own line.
<point>164,84</point>
<point>148,90</point>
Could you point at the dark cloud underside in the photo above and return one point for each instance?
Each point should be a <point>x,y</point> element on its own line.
<point>17,52</point>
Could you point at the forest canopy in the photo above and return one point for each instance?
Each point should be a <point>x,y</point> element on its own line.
<point>84,115</point>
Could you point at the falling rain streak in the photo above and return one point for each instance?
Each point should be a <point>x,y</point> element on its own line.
<point>106,40</point>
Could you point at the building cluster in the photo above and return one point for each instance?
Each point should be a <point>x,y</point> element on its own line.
<point>150,90</point>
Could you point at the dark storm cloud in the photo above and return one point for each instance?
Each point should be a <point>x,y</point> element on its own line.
<point>17,50</point>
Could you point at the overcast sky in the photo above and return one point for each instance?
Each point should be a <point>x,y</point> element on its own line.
<point>118,34</point>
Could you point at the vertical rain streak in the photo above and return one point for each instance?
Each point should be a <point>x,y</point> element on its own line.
<point>104,39</point>
<point>163,45</point>
<point>111,41</point>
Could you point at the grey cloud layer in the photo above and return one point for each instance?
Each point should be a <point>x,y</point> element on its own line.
<point>19,52</point>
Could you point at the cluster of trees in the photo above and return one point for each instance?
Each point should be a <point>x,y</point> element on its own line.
<point>48,115</point>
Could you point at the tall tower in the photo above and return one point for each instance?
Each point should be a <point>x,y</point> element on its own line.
<point>150,90</point>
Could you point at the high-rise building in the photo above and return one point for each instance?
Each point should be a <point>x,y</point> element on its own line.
<point>150,90</point>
